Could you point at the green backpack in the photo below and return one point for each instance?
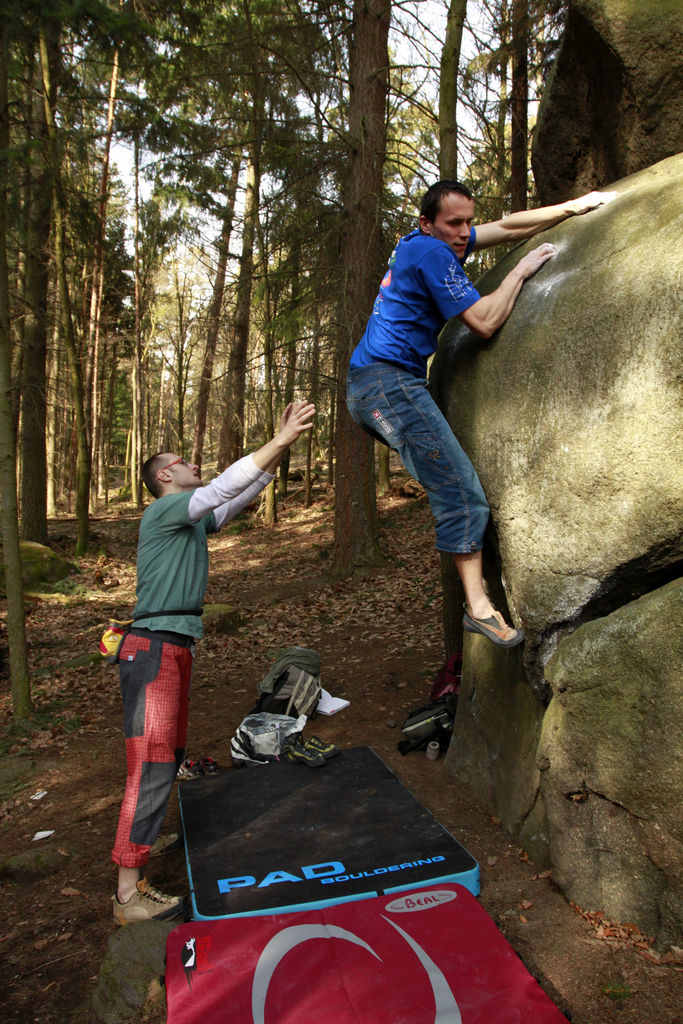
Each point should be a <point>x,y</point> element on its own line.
<point>292,686</point>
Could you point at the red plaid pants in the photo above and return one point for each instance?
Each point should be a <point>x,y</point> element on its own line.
<point>155,685</point>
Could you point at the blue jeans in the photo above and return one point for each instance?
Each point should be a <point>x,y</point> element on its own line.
<point>395,407</point>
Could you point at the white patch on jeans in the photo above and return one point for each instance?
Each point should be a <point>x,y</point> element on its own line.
<point>382,421</point>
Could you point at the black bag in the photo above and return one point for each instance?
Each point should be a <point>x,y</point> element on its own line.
<point>292,686</point>
<point>433,721</point>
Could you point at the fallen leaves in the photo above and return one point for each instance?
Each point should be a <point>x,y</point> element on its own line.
<point>626,936</point>
<point>41,739</point>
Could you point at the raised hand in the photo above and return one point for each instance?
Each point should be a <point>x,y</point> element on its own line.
<point>535,259</point>
<point>296,418</point>
<point>590,201</point>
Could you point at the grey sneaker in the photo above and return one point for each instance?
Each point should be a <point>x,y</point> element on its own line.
<point>147,904</point>
<point>298,753</point>
<point>319,746</point>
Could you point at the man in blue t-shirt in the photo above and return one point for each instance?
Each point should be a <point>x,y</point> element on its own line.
<point>156,655</point>
<point>387,390</point>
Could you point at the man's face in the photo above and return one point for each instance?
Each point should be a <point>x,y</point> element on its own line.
<point>452,223</point>
<point>179,475</point>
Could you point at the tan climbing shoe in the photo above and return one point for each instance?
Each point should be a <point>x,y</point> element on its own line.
<point>494,629</point>
<point>147,904</point>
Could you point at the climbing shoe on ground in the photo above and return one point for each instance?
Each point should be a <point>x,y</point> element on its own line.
<point>147,904</point>
<point>298,753</point>
<point>164,844</point>
<point>493,628</point>
<point>208,766</point>
<point>317,745</point>
<point>189,770</point>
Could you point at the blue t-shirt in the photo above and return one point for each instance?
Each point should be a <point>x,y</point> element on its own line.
<point>173,565</point>
<point>424,287</point>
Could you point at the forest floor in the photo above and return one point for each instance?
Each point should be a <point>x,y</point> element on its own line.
<point>380,641</point>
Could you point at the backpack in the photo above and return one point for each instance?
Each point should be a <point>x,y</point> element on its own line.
<point>447,679</point>
<point>434,721</point>
<point>261,738</point>
<point>292,686</point>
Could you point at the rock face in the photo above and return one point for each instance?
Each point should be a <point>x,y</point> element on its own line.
<point>131,972</point>
<point>39,565</point>
<point>611,753</point>
<point>613,103</point>
<point>571,415</point>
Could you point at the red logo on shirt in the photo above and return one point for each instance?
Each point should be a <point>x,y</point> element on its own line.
<point>387,280</point>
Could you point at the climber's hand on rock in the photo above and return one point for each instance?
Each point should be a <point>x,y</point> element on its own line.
<point>590,201</point>
<point>530,263</point>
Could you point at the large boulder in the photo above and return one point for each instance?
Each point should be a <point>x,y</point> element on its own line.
<point>613,103</point>
<point>571,413</point>
<point>40,566</point>
<point>611,754</point>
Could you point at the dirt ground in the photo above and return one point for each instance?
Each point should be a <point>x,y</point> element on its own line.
<point>380,641</point>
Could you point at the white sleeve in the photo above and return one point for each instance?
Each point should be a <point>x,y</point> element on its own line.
<point>230,492</point>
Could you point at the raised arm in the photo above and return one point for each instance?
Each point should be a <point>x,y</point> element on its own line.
<point>238,485</point>
<point>491,311</point>
<point>527,223</point>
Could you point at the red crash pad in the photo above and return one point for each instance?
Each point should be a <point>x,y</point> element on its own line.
<point>427,956</point>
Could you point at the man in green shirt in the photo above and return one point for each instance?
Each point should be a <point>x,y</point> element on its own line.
<point>156,655</point>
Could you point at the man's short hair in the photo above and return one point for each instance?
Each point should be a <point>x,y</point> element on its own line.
<point>431,200</point>
<point>149,473</point>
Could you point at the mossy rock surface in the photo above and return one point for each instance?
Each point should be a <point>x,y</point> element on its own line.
<point>611,751</point>
<point>221,618</point>
<point>40,566</point>
<point>131,972</point>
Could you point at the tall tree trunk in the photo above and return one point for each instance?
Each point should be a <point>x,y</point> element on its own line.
<point>314,397</point>
<point>448,90</point>
<point>53,434</point>
<point>34,333</point>
<point>500,133</point>
<point>48,58</point>
<point>448,168</point>
<point>16,629</point>
<point>519,104</point>
<point>214,318</point>
<point>331,444</point>
<point>138,412</point>
<point>453,600</point>
<point>109,416</point>
<point>356,541</point>
<point>292,332</point>
<point>270,493</point>
<point>183,351</point>
<point>233,431</point>
<point>92,363</point>
<point>232,438</point>
<point>383,475</point>
<point>269,496</point>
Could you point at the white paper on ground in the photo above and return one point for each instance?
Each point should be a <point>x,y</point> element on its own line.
<point>329,705</point>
